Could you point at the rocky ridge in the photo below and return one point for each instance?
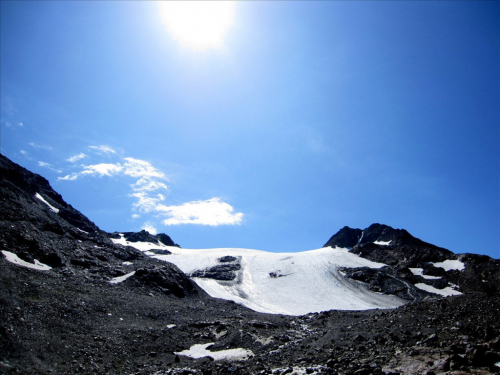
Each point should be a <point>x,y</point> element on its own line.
<point>404,254</point>
<point>72,319</point>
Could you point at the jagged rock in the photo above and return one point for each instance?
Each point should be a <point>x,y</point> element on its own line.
<point>168,278</point>
<point>387,280</point>
<point>396,247</point>
<point>166,240</point>
<point>144,236</point>
<point>219,272</point>
<point>160,251</point>
<point>346,238</point>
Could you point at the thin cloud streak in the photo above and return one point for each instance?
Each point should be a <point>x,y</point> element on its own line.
<point>103,148</point>
<point>77,157</point>
<point>48,166</point>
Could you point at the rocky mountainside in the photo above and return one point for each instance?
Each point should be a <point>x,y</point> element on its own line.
<point>402,253</point>
<point>72,300</point>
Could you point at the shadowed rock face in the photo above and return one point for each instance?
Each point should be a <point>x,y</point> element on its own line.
<point>396,247</point>
<point>346,237</point>
<point>36,223</point>
<point>145,236</point>
<point>400,251</point>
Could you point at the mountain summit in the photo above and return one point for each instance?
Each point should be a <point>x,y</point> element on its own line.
<point>382,243</point>
<point>75,299</point>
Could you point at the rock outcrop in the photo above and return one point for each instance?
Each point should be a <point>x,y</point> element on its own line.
<point>37,224</point>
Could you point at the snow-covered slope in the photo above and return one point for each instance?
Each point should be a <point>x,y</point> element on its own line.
<point>280,283</point>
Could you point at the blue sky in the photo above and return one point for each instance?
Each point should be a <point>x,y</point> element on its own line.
<point>309,117</point>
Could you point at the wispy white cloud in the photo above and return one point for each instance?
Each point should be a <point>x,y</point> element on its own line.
<point>212,212</point>
<point>43,147</point>
<point>12,125</point>
<point>69,177</point>
<point>103,148</point>
<point>77,157</point>
<point>48,166</point>
<point>149,191</point>
<point>103,169</point>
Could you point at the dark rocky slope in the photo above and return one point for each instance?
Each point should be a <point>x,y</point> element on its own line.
<point>72,320</point>
<point>401,251</point>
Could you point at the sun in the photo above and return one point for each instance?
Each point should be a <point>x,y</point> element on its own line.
<point>198,24</point>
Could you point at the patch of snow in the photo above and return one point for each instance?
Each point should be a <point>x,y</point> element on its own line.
<point>52,208</point>
<point>81,230</point>
<point>200,350</point>
<point>360,238</point>
<point>119,279</point>
<point>13,258</point>
<point>420,272</point>
<point>448,265</point>
<point>382,243</point>
<point>446,292</point>
<point>169,326</point>
<point>127,263</point>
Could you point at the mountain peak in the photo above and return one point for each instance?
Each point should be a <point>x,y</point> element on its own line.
<point>384,244</point>
<point>145,236</point>
<point>375,233</point>
<point>346,237</point>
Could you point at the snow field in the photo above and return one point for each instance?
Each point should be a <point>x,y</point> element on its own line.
<point>304,282</point>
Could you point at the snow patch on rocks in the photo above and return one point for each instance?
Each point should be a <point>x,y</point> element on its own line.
<point>52,208</point>
<point>420,272</point>
<point>13,258</point>
<point>449,265</point>
<point>200,351</point>
<point>119,279</point>
<point>445,292</point>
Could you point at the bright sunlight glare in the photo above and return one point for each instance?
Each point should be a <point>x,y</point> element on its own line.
<point>198,24</point>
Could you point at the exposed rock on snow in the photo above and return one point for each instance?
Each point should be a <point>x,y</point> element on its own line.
<point>218,272</point>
